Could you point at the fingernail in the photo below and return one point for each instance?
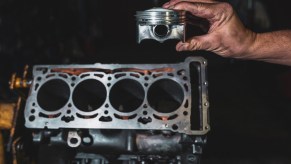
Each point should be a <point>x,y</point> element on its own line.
<point>166,4</point>
<point>179,46</point>
<point>183,46</point>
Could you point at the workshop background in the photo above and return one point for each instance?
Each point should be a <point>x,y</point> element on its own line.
<point>250,100</point>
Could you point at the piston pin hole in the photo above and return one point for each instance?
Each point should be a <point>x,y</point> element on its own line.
<point>161,30</point>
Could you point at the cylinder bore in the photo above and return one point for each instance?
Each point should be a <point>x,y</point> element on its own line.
<point>165,96</point>
<point>126,95</point>
<point>89,95</point>
<point>161,30</point>
<point>53,95</point>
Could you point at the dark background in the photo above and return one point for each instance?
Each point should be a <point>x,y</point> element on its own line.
<point>250,101</point>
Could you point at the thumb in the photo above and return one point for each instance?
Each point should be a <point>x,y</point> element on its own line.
<point>195,43</point>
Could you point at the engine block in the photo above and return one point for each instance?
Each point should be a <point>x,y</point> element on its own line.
<point>169,97</point>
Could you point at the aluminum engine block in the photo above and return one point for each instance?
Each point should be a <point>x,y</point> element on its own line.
<point>169,97</point>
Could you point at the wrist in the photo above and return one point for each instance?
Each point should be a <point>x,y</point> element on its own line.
<point>250,46</point>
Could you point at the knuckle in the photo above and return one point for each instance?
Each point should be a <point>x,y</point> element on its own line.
<point>173,1</point>
<point>180,5</point>
<point>223,12</point>
<point>226,7</point>
<point>199,6</point>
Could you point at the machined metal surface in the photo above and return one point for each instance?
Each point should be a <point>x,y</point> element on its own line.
<point>120,96</point>
<point>73,139</point>
<point>160,24</point>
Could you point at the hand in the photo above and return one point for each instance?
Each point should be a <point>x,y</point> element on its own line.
<point>227,36</point>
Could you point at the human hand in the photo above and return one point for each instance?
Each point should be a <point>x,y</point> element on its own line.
<point>227,36</point>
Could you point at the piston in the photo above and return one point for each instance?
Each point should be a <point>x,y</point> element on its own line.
<point>160,24</point>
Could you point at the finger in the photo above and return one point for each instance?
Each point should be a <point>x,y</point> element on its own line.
<point>203,10</point>
<point>172,3</point>
<point>195,43</point>
<point>182,46</point>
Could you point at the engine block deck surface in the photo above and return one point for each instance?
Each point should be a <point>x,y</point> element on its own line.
<point>120,96</point>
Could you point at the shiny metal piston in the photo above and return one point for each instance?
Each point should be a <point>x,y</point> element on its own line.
<point>160,24</point>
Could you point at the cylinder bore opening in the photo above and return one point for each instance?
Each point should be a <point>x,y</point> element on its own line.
<point>126,95</point>
<point>165,96</point>
<point>89,95</point>
<point>53,95</point>
<point>161,30</point>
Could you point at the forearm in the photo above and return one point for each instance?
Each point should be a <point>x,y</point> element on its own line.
<point>273,47</point>
<point>228,37</point>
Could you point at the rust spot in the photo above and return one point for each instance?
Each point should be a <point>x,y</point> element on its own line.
<point>165,118</point>
<point>125,117</point>
<point>78,71</point>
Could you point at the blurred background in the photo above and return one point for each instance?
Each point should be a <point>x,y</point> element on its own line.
<point>250,100</point>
